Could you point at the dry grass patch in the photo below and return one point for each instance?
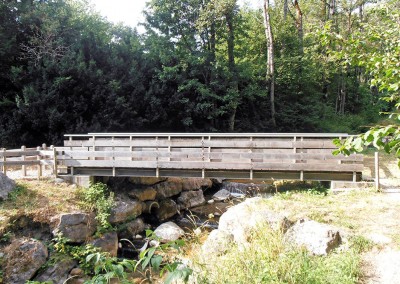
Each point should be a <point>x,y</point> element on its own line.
<point>38,200</point>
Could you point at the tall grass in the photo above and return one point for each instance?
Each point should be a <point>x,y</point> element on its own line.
<point>268,259</point>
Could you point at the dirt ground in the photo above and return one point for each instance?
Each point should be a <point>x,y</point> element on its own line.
<point>382,264</point>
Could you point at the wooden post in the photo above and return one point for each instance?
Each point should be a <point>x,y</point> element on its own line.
<point>55,166</point>
<point>23,169</point>
<point>44,148</point>
<point>39,167</point>
<point>4,161</point>
<point>377,185</point>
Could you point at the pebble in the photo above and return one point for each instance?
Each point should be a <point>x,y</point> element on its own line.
<point>211,201</point>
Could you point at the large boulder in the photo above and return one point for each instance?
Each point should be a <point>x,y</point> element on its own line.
<point>125,210</point>
<point>196,183</point>
<point>242,219</point>
<point>171,187</point>
<point>189,199</point>
<point>58,272</point>
<point>77,227</point>
<point>143,194</point>
<point>317,238</point>
<point>218,242</point>
<point>6,186</point>
<point>107,243</point>
<point>168,232</point>
<point>146,180</point>
<point>167,209</point>
<point>23,258</point>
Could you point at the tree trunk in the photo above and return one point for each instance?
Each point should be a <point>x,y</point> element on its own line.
<point>299,23</point>
<point>285,9</point>
<point>270,76</point>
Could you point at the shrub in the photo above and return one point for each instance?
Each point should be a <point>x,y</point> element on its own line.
<point>99,199</point>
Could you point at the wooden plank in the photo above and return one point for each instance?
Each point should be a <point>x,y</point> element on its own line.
<point>109,163</point>
<point>18,153</point>
<point>20,163</point>
<point>308,167</point>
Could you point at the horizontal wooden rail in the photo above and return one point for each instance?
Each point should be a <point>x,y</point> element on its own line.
<point>248,155</point>
<point>226,155</point>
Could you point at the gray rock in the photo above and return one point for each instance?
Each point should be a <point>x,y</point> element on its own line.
<point>6,186</point>
<point>250,189</point>
<point>132,228</point>
<point>58,272</point>
<point>107,243</point>
<point>189,199</point>
<point>221,195</point>
<point>168,232</point>
<point>77,227</point>
<point>23,258</point>
<point>195,183</point>
<point>135,227</point>
<point>168,188</point>
<point>143,194</point>
<point>218,242</point>
<point>125,210</point>
<point>59,180</point>
<point>242,219</point>
<point>317,238</point>
<point>168,208</point>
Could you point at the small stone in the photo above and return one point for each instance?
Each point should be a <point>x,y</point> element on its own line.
<point>222,195</point>
<point>59,180</point>
<point>154,243</point>
<point>197,231</point>
<point>138,237</point>
<point>168,232</point>
<point>76,272</point>
<point>217,214</point>
<point>211,201</point>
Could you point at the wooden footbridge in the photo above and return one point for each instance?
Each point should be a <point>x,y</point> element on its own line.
<point>301,156</point>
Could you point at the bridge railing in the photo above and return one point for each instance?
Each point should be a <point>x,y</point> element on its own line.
<point>229,155</point>
<point>36,159</point>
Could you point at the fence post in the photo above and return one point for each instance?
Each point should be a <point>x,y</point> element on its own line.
<point>39,167</point>
<point>55,169</point>
<point>4,161</point>
<point>377,185</point>
<point>23,168</point>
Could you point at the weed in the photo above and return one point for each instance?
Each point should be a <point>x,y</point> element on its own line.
<point>360,244</point>
<point>17,192</point>
<point>99,199</point>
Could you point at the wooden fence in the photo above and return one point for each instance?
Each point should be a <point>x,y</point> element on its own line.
<point>246,156</point>
<point>39,158</point>
<point>241,156</point>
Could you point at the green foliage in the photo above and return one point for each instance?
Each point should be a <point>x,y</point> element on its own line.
<point>360,244</point>
<point>99,199</point>
<point>79,253</point>
<point>16,192</point>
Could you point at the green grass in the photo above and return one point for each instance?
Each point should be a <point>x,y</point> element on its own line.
<point>270,260</point>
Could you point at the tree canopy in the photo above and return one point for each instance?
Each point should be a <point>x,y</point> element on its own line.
<point>200,66</point>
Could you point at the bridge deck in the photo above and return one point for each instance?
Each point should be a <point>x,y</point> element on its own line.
<point>303,156</point>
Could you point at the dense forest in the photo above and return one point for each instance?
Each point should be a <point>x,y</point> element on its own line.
<point>199,66</point>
